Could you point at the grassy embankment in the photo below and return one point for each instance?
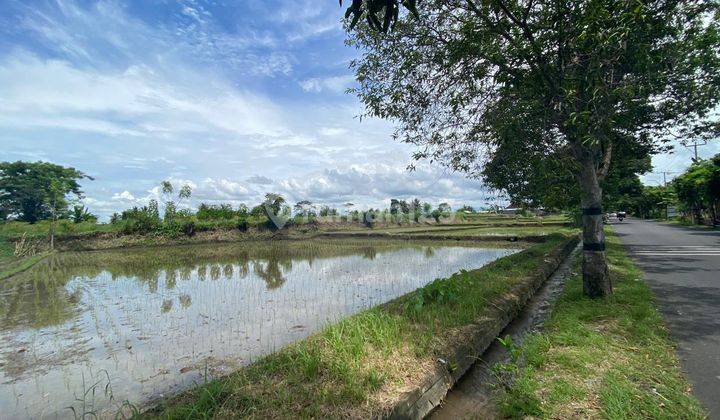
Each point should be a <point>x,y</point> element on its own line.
<point>602,358</point>
<point>360,366</point>
<point>12,231</point>
<point>511,230</point>
<point>678,221</point>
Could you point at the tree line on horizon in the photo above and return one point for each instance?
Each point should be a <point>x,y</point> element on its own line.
<point>37,191</point>
<point>32,192</point>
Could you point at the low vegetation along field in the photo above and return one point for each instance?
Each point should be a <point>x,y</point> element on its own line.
<point>89,234</point>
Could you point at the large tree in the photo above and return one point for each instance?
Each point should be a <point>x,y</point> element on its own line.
<point>531,176</point>
<point>698,188</point>
<point>577,79</point>
<point>33,191</point>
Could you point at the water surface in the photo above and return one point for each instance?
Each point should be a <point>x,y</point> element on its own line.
<point>91,330</point>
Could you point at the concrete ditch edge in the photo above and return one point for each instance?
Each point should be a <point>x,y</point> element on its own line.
<point>428,395</point>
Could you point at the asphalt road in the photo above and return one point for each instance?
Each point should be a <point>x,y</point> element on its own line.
<point>682,266</point>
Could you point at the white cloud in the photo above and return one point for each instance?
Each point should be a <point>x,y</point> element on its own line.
<point>136,101</point>
<point>123,196</point>
<point>308,19</point>
<point>336,84</point>
<point>260,180</point>
<point>332,131</point>
<point>132,103</point>
<point>376,184</point>
<point>222,189</point>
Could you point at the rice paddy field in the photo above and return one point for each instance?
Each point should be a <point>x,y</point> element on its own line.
<point>92,333</point>
<point>84,333</point>
<point>505,231</point>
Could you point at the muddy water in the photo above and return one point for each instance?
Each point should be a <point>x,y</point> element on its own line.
<point>83,333</point>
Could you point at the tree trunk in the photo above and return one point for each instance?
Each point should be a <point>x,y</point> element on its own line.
<point>52,226</point>
<point>596,280</point>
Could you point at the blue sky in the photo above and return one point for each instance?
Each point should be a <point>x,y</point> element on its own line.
<point>237,98</point>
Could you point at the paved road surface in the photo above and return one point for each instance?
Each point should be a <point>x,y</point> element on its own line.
<point>682,266</point>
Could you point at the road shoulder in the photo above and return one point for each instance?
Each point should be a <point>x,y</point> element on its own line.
<point>601,358</point>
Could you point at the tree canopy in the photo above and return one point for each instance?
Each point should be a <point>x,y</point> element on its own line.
<point>33,191</point>
<point>551,87</point>
<point>379,14</point>
<point>698,188</point>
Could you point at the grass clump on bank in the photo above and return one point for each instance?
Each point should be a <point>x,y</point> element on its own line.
<point>512,230</point>
<point>10,264</point>
<point>608,358</point>
<point>360,366</point>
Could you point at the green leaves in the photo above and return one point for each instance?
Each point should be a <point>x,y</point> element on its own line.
<point>534,87</point>
<point>34,191</point>
<point>381,15</point>
<point>440,291</point>
<point>698,188</point>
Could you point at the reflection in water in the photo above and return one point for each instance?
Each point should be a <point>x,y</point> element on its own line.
<point>156,320</point>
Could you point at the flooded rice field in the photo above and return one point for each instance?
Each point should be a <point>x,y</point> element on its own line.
<point>82,333</point>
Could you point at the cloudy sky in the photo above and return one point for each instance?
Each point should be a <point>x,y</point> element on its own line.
<point>236,98</point>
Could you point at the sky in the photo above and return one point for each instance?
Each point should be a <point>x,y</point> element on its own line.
<point>234,98</point>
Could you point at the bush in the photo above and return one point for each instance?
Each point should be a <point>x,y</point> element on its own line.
<point>66,226</point>
<point>216,212</point>
<point>81,214</point>
<point>270,225</point>
<point>243,225</point>
<point>187,227</point>
<point>575,216</point>
<point>139,226</point>
<point>138,220</point>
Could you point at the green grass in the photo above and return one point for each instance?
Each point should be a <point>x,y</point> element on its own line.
<point>9,264</point>
<point>685,222</point>
<point>356,367</point>
<point>608,358</point>
<point>10,267</point>
<point>491,218</point>
<point>511,230</point>
<point>42,228</point>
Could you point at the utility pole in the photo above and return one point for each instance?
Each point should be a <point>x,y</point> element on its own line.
<point>665,174</point>
<point>695,146</point>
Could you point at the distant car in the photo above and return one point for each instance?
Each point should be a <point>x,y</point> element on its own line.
<point>613,215</point>
<point>621,215</point>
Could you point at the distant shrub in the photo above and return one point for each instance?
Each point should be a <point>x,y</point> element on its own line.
<point>243,225</point>
<point>270,225</point>
<point>66,226</point>
<point>139,220</point>
<point>369,218</point>
<point>177,227</point>
<point>217,212</point>
<point>80,214</point>
<point>187,227</point>
<point>575,216</point>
